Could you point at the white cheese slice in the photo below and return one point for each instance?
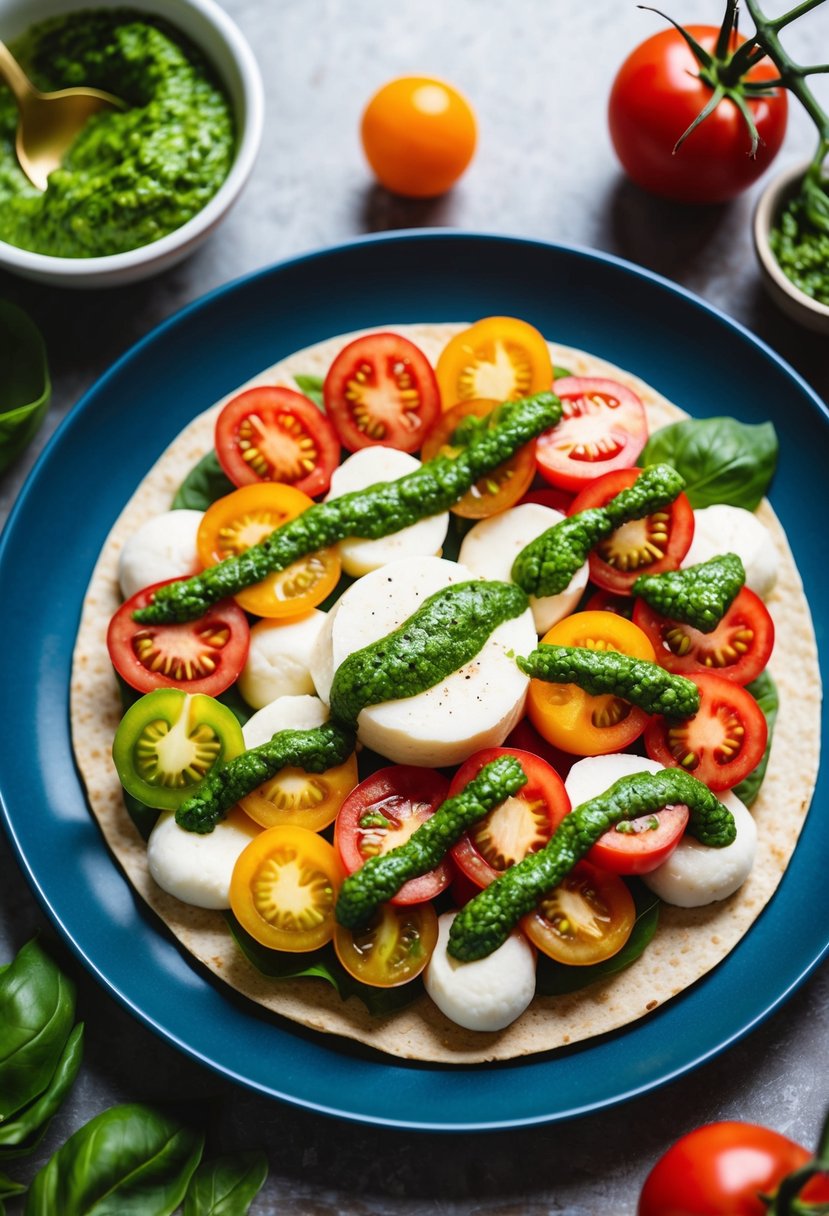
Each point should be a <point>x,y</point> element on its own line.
<point>164,547</point>
<point>285,713</point>
<point>279,659</point>
<point>696,874</point>
<point>726,529</point>
<point>487,994</point>
<point>196,868</point>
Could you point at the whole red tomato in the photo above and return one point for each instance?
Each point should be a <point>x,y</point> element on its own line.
<point>660,90</point>
<point>723,1169</point>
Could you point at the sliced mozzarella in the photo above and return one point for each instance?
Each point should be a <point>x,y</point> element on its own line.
<point>476,706</point>
<point>196,868</point>
<point>487,994</point>
<point>322,656</point>
<point>696,874</point>
<point>590,777</point>
<point>279,659</point>
<point>163,547</point>
<point>285,713</point>
<point>725,529</point>
<point>365,468</point>
<point>491,546</point>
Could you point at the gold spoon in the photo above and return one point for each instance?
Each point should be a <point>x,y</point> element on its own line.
<point>49,122</point>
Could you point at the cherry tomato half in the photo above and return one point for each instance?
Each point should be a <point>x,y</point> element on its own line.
<point>497,358</point>
<point>381,389</point>
<point>571,718</point>
<point>603,427</point>
<point>738,648</point>
<point>586,919</point>
<point>241,519</point>
<point>723,1169</point>
<point>169,741</point>
<point>383,812</point>
<point>723,741</point>
<point>637,846</point>
<point>393,948</point>
<point>499,489</point>
<point>643,546</point>
<point>656,96</point>
<point>516,827</point>
<point>276,434</point>
<point>205,655</point>
<point>308,800</point>
<point>418,135</point>
<point>284,887</point>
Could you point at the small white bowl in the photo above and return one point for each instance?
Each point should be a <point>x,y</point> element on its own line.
<point>209,27</point>
<point>794,302</point>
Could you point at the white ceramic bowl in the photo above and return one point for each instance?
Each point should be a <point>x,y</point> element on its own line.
<point>794,302</point>
<point>209,27</point>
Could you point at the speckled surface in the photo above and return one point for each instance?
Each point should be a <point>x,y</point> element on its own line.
<point>538,75</point>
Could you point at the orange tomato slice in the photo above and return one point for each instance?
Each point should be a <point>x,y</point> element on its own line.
<point>587,918</point>
<point>306,800</point>
<point>393,948</point>
<point>241,519</point>
<point>498,357</point>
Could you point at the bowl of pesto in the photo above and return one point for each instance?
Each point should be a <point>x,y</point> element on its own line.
<point>791,239</point>
<point>140,188</point>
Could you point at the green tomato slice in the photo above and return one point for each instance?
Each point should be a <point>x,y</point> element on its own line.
<point>169,741</point>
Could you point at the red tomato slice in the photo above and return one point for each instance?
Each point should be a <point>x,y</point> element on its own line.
<point>381,389</point>
<point>644,546</point>
<point>603,427</point>
<point>382,813</point>
<point>738,648</point>
<point>723,741</point>
<point>636,846</point>
<point>521,825</point>
<point>559,500</point>
<point>606,601</point>
<point>276,434</point>
<point>205,655</point>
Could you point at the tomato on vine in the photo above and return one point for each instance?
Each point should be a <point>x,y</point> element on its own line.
<point>696,113</point>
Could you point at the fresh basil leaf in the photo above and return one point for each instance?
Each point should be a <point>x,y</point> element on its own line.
<point>226,1186</point>
<point>561,373</point>
<point>25,388</point>
<point>721,459</point>
<point>311,387</point>
<point>764,691</point>
<point>127,1160</point>
<point>203,485</point>
<point>557,979</point>
<point>21,1135</point>
<point>321,964</point>
<point>37,1013</point>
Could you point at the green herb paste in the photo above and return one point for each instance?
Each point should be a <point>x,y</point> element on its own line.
<point>131,176</point>
<point>800,242</point>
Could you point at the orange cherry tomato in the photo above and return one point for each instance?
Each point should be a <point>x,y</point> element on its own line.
<point>393,948</point>
<point>418,135</point>
<point>587,918</point>
<point>284,888</point>
<point>572,719</point>
<point>500,358</point>
<point>306,800</point>
<point>241,519</point>
<point>499,489</point>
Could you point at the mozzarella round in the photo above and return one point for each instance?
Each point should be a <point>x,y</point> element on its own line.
<point>279,659</point>
<point>164,547</point>
<point>474,707</point>
<point>696,874</point>
<point>726,529</point>
<point>322,656</point>
<point>593,776</point>
<point>365,468</point>
<point>487,994</point>
<point>196,868</point>
<point>285,713</point>
<point>491,546</point>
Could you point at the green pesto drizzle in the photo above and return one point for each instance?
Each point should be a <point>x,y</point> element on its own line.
<point>699,595</point>
<point>644,684</point>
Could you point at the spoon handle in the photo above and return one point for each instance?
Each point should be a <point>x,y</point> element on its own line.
<point>14,76</point>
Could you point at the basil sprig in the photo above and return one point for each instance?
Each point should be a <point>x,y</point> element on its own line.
<point>25,388</point>
<point>722,460</point>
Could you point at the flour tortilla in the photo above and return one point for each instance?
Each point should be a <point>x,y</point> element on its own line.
<point>688,943</point>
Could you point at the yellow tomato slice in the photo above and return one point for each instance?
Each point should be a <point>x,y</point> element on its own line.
<point>499,489</point>
<point>393,948</point>
<point>308,800</point>
<point>572,719</point>
<point>498,357</point>
<point>587,918</point>
<point>241,519</point>
<point>284,888</point>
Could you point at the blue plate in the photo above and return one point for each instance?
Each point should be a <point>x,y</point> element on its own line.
<point>687,350</point>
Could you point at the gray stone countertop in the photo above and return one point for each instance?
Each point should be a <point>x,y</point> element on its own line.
<point>538,75</point>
